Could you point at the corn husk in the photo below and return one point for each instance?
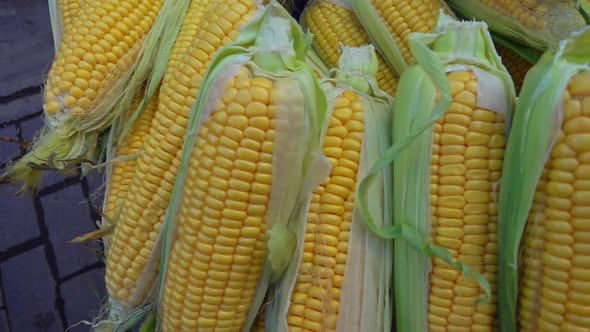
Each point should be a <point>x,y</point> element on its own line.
<point>537,122</point>
<point>365,303</point>
<point>423,97</point>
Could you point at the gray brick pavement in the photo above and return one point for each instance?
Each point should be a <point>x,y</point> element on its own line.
<point>27,45</point>
<point>4,321</point>
<point>19,224</point>
<point>29,287</point>
<point>30,127</point>
<point>8,150</point>
<point>67,215</point>
<point>19,106</point>
<point>46,284</point>
<point>91,283</point>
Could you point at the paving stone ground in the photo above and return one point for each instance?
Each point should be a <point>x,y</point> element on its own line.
<point>46,283</point>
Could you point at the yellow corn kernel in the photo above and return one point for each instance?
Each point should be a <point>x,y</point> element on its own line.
<point>226,269</point>
<point>326,242</point>
<point>555,284</point>
<point>465,212</point>
<point>68,9</point>
<point>122,172</point>
<point>404,17</point>
<point>147,201</point>
<point>114,48</point>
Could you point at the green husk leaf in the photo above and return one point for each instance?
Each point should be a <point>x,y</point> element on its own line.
<point>149,324</point>
<point>358,65</point>
<point>452,46</point>
<point>66,140</point>
<point>562,19</point>
<point>584,8</point>
<point>272,45</point>
<point>538,118</point>
<point>281,243</point>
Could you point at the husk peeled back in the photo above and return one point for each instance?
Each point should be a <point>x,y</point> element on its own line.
<point>452,46</point>
<point>365,303</point>
<point>67,140</point>
<point>535,128</point>
<point>272,45</point>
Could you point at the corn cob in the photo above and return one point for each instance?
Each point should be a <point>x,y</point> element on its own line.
<point>102,61</point>
<point>316,297</point>
<point>243,171</point>
<point>141,215</point>
<point>334,26</point>
<point>93,54</point>
<point>448,134</point>
<point>122,174</point>
<point>186,36</point>
<point>322,289</point>
<point>61,13</point>
<point>543,261</point>
<point>215,224</point>
<point>123,169</point>
<point>466,163</point>
<point>540,24</point>
<point>389,23</point>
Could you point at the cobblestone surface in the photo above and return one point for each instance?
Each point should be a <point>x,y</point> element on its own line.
<point>27,46</point>
<point>91,283</point>
<point>30,305</point>
<point>46,283</point>
<point>3,321</point>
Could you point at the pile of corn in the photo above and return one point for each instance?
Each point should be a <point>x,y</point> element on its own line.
<point>383,165</point>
